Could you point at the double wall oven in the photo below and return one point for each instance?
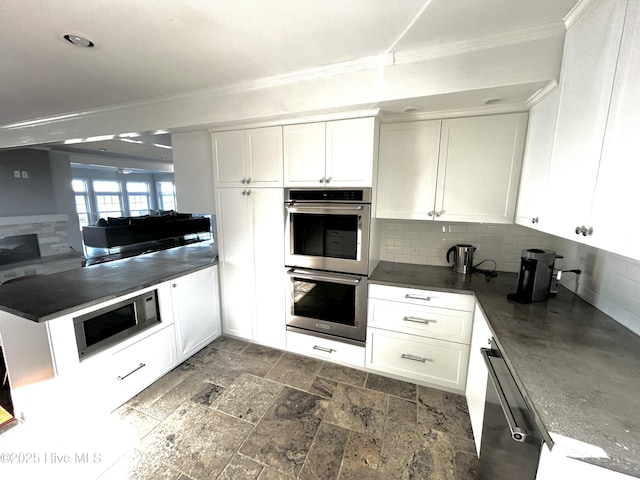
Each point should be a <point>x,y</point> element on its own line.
<point>327,261</point>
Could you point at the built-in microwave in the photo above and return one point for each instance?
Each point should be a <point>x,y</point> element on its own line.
<point>110,325</point>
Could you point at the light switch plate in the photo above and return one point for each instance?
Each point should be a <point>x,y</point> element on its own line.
<point>16,174</point>
<point>25,174</point>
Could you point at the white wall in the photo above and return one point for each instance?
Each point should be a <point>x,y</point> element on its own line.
<point>609,282</point>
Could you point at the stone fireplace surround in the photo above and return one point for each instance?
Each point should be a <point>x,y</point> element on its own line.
<point>53,240</point>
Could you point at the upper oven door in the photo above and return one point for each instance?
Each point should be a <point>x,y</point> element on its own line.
<point>327,236</point>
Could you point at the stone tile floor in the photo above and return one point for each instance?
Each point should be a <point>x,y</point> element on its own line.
<point>239,411</point>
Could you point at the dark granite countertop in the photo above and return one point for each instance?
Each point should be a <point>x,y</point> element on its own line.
<point>46,297</point>
<point>576,366</point>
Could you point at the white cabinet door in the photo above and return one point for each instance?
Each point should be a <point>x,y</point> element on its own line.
<point>533,199</point>
<point>304,155</point>
<point>196,310</point>
<point>230,168</point>
<point>350,152</point>
<point>479,168</point>
<point>477,375</point>
<point>235,252</point>
<point>407,169</point>
<point>591,53</point>
<point>248,157</point>
<point>268,246</point>
<point>617,185</point>
<point>264,156</point>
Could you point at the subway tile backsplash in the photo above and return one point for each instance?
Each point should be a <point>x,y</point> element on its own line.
<point>426,243</point>
<point>609,282</point>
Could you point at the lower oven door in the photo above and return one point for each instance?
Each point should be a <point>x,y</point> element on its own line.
<point>327,302</point>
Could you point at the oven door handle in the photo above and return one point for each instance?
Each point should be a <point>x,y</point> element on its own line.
<point>344,279</point>
<point>517,433</point>
<point>323,208</point>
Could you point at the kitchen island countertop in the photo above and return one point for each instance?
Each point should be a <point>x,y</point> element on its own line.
<point>45,297</point>
<point>576,366</point>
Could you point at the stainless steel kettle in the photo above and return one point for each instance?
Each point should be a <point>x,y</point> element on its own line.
<point>462,257</point>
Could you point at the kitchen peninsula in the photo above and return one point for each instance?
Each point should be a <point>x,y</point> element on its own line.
<point>38,324</point>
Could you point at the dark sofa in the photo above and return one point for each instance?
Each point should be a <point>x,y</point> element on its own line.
<point>121,231</point>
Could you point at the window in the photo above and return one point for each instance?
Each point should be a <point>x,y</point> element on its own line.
<point>108,198</point>
<point>138,195</point>
<point>83,207</point>
<point>166,196</point>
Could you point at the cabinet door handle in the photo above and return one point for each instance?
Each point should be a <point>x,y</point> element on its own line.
<point>244,180</point>
<point>323,349</point>
<point>328,179</point>
<point>122,377</point>
<point>418,297</point>
<point>248,192</point>
<point>415,358</point>
<point>249,180</point>
<point>584,230</point>
<point>322,180</point>
<point>431,213</point>
<point>439,213</point>
<point>534,220</point>
<point>418,320</point>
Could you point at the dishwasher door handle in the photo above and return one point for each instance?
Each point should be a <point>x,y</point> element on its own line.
<point>517,433</point>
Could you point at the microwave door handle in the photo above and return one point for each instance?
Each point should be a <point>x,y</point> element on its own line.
<point>518,434</point>
<point>312,276</point>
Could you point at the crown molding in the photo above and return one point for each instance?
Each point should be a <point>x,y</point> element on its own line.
<point>488,42</point>
<point>458,113</point>
<point>576,12</point>
<point>310,117</point>
<point>541,94</point>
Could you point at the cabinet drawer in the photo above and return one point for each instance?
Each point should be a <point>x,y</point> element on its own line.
<point>456,301</point>
<point>118,376</point>
<point>419,359</point>
<point>330,350</point>
<point>439,323</point>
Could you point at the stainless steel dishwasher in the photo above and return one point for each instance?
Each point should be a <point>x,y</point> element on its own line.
<point>511,442</point>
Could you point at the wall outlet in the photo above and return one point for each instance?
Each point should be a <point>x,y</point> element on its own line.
<point>16,174</point>
<point>25,174</point>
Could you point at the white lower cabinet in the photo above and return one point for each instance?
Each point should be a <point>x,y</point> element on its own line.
<point>419,335</point>
<point>477,374</point>
<point>120,375</point>
<point>326,349</point>
<point>196,311</point>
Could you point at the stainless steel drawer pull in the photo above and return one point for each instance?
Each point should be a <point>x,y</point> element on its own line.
<point>415,358</point>
<point>323,349</point>
<point>122,377</point>
<point>418,320</point>
<point>418,297</point>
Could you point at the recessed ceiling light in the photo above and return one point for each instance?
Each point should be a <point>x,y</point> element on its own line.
<point>102,149</point>
<point>410,109</point>
<point>79,41</point>
<point>492,100</point>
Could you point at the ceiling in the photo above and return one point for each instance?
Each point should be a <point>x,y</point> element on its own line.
<point>156,48</point>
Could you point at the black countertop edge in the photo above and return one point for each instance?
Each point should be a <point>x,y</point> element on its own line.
<point>47,297</point>
<point>564,354</point>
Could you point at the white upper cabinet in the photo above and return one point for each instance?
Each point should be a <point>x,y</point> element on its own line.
<point>617,187</point>
<point>304,155</point>
<point>533,200</point>
<point>591,52</point>
<point>479,168</point>
<point>408,169</point>
<point>248,157</point>
<point>461,169</point>
<point>338,153</point>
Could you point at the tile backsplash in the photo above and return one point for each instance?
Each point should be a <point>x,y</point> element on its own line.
<point>426,243</point>
<point>609,282</point>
